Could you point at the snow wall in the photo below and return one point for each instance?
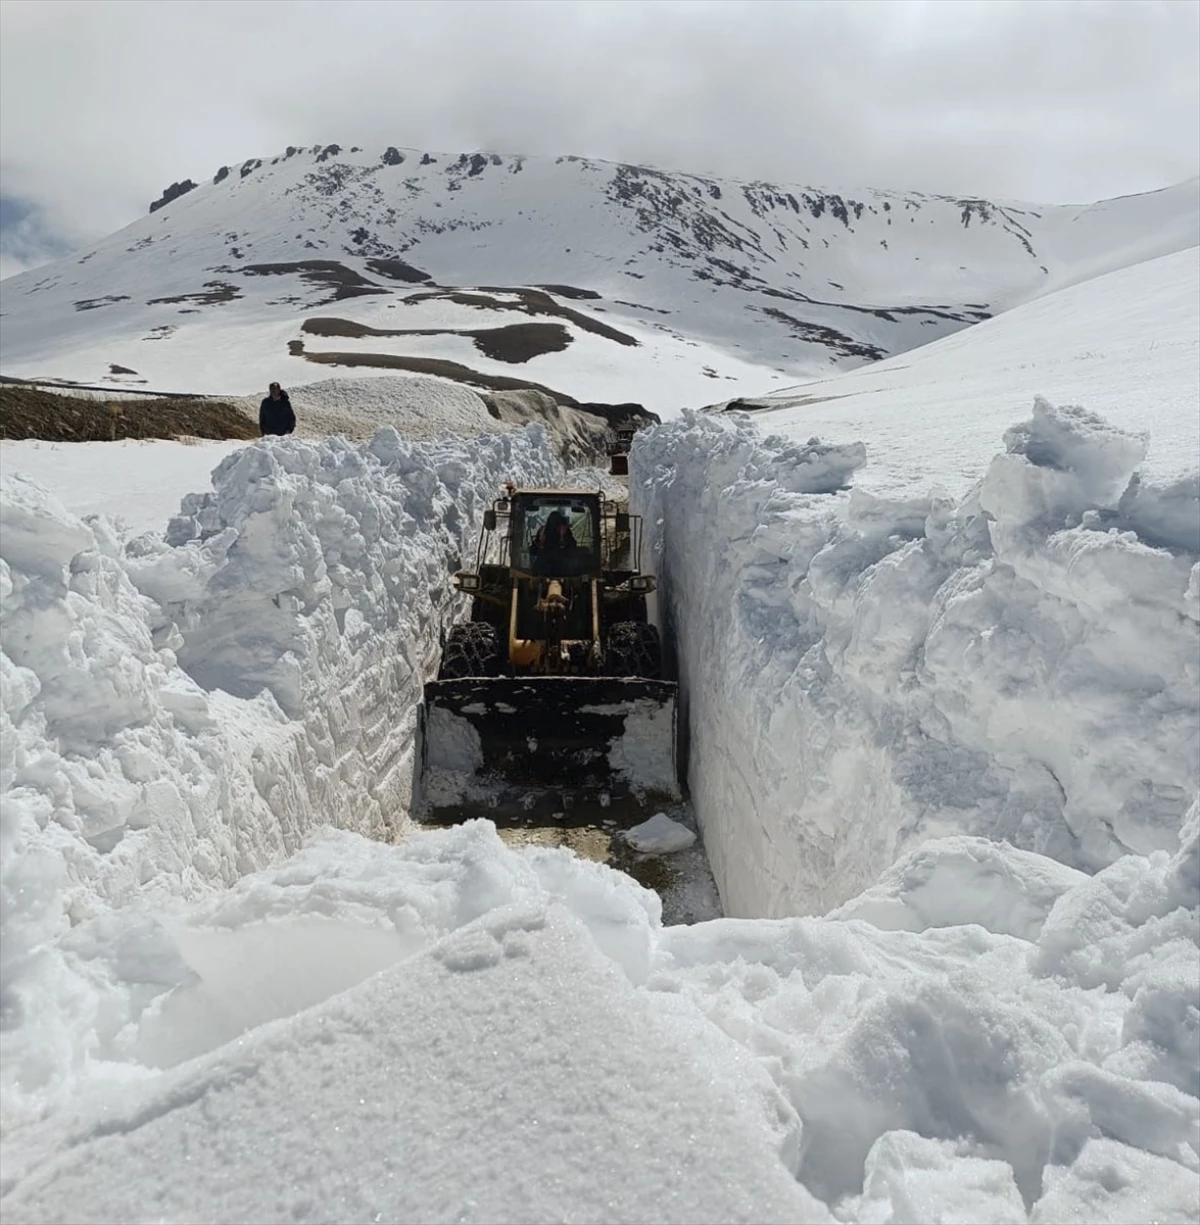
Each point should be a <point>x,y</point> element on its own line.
<point>983,1034</point>
<point>860,675</point>
<point>304,596</point>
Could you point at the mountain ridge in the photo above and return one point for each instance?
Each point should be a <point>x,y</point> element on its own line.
<point>629,276</point>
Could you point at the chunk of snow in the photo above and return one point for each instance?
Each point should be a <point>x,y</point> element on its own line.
<point>454,744</point>
<point>951,881</point>
<point>863,674</point>
<point>644,754</point>
<point>1110,1183</point>
<point>660,836</point>
<point>937,1182</point>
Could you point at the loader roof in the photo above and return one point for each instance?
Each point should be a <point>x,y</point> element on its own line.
<point>561,493</point>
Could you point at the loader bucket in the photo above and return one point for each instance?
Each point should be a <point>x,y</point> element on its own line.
<point>521,749</point>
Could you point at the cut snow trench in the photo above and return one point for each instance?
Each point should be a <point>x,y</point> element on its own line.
<point>918,1041</point>
<point>864,674</point>
<point>235,686</point>
<point>224,692</point>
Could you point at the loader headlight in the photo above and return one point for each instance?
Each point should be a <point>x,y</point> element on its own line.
<point>641,583</point>
<point>467,582</point>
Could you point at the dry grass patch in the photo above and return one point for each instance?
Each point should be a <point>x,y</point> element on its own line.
<point>428,365</point>
<point>30,412</point>
<point>513,343</point>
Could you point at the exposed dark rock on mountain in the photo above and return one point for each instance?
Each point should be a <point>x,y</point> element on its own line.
<point>172,193</point>
<point>774,283</point>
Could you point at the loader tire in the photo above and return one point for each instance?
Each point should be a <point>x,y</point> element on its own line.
<point>471,650</point>
<point>634,650</point>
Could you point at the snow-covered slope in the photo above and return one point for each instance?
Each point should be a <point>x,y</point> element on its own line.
<point>1126,344</point>
<point>654,287</point>
<point>967,720</point>
<point>956,616</point>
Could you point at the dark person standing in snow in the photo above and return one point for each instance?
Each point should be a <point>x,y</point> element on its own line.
<point>275,415</point>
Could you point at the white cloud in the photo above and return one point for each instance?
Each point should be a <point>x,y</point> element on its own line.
<point>103,104</point>
<point>30,236</point>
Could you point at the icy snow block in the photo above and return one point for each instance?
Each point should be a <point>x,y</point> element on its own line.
<point>819,467</point>
<point>1100,933</point>
<point>1059,464</point>
<point>1166,516</point>
<point>1160,1034</point>
<point>1072,439</point>
<point>953,881</point>
<point>1084,1101</point>
<point>37,533</point>
<point>1183,876</point>
<point>1111,1184</point>
<point>938,1182</point>
<point>659,836</point>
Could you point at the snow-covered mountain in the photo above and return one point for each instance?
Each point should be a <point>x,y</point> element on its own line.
<point>596,280</point>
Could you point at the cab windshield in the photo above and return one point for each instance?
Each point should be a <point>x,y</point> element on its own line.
<point>556,534</point>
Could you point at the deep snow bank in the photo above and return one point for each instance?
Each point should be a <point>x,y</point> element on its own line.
<point>449,1030</point>
<point>178,713</point>
<point>863,674</point>
<point>477,1046</point>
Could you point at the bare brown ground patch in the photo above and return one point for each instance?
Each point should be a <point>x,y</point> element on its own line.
<point>323,273</point>
<point>30,412</point>
<point>514,343</point>
<point>569,291</point>
<point>831,338</point>
<point>429,365</point>
<point>91,304</point>
<point>212,293</point>
<point>528,302</point>
<point>398,270</point>
<point>519,342</point>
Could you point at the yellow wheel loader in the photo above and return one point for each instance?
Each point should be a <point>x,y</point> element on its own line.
<point>550,700</point>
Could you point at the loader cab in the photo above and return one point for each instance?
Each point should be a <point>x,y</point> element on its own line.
<point>556,534</point>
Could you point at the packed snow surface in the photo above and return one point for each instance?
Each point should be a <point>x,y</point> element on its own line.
<point>943,748</point>
<point>415,407</point>
<point>137,483</point>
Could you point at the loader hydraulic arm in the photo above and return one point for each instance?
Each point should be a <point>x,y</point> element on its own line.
<point>552,604</point>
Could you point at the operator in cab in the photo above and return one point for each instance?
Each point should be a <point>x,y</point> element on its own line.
<point>554,545</point>
<point>555,534</point>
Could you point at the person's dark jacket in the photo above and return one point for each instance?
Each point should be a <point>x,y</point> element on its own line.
<point>276,416</point>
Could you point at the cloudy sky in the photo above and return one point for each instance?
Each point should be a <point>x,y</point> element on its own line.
<point>102,104</point>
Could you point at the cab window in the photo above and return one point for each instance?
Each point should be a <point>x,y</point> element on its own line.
<point>556,534</point>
